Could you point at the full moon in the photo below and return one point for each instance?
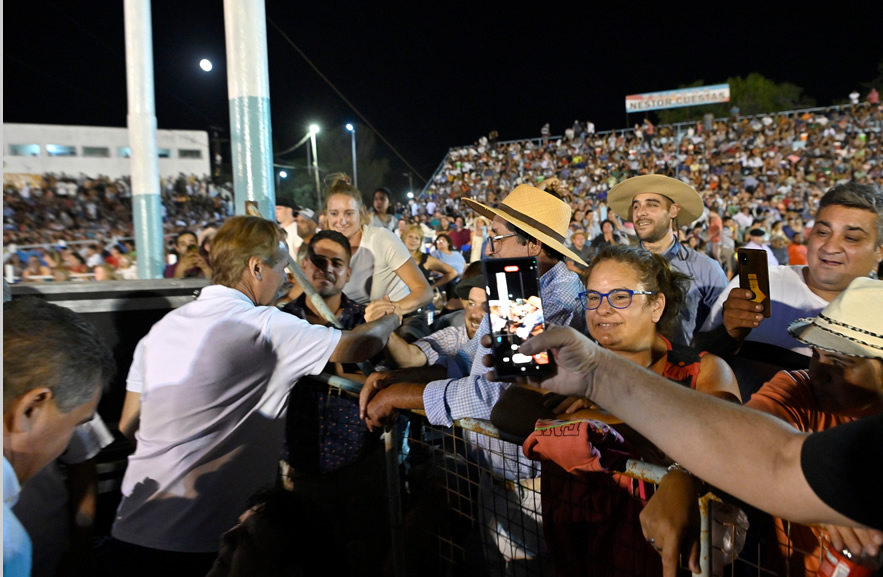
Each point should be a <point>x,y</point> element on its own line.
<point>205,64</point>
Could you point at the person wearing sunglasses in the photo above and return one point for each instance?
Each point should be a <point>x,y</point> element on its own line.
<point>633,303</point>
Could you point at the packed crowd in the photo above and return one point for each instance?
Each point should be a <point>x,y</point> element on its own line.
<point>646,318</point>
<point>758,173</point>
<point>67,228</point>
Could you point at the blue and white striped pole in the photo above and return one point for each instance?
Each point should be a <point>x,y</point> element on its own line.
<point>146,205</point>
<point>248,87</point>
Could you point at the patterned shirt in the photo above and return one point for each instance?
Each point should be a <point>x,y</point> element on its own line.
<point>451,347</point>
<point>474,396</point>
<point>352,314</point>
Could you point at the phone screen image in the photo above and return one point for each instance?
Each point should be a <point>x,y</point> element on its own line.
<point>516,313</point>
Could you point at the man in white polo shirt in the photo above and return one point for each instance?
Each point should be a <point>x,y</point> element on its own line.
<point>206,399</point>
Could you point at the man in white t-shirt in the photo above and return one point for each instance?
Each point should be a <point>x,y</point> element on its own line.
<point>286,213</point>
<point>206,399</point>
<point>844,243</point>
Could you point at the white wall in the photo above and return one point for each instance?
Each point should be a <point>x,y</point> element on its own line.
<point>98,136</point>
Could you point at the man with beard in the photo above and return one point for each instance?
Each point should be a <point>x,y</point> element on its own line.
<point>656,205</point>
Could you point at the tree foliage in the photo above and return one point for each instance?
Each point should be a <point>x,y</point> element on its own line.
<point>754,94</point>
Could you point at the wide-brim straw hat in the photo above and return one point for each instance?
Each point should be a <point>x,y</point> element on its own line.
<point>535,212</point>
<point>850,325</point>
<point>620,196</point>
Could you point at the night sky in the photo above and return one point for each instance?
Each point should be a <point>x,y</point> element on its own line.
<point>428,76</point>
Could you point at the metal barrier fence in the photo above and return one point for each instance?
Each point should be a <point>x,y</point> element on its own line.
<point>452,513</point>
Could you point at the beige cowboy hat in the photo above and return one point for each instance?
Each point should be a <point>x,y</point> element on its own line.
<point>620,196</point>
<point>535,212</point>
<point>850,325</point>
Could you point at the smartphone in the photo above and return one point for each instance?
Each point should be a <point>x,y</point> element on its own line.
<point>754,275</point>
<point>516,313</point>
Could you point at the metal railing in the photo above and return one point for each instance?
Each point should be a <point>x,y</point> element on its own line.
<point>451,512</point>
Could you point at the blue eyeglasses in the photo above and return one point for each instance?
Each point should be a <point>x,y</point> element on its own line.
<point>618,298</point>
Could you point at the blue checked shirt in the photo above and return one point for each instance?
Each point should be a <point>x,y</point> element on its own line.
<point>474,396</point>
<point>450,347</point>
<point>707,281</point>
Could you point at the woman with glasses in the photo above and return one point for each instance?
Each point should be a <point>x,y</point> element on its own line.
<point>593,521</point>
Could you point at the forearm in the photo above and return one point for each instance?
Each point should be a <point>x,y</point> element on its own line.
<point>717,440</point>
<point>420,295</point>
<point>404,354</point>
<point>364,341</point>
<point>444,280</point>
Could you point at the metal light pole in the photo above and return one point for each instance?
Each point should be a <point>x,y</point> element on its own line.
<point>314,129</point>
<point>352,130</point>
<point>248,89</point>
<point>141,120</point>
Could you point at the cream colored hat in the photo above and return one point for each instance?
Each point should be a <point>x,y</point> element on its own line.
<point>620,196</point>
<point>852,324</point>
<point>536,212</point>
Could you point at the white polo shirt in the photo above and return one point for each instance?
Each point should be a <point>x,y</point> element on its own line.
<point>214,377</point>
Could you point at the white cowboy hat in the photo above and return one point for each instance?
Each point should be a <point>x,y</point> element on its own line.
<point>850,325</point>
<point>535,212</point>
<point>620,196</point>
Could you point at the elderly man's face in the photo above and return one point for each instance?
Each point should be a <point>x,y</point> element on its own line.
<point>330,271</point>
<point>271,281</point>
<point>49,433</point>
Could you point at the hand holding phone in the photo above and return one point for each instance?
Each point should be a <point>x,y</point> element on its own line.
<point>516,314</point>
<point>754,275</point>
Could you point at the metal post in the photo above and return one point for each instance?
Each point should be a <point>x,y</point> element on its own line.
<point>316,169</point>
<point>392,443</point>
<point>146,205</point>
<point>355,165</point>
<point>248,87</point>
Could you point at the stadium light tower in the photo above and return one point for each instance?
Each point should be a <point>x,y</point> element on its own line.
<point>314,129</point>
<point>352,130</point>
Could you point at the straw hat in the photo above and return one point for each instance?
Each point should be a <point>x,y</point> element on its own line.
<point>620,196</point>
<point>535,212</point>
<point>850,325</point>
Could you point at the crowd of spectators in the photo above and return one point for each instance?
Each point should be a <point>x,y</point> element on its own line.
<point>765,182</point>
<point>70,228</point>
<point>763,174</point>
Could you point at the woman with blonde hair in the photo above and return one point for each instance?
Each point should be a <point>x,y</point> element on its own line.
<point>382,267</point>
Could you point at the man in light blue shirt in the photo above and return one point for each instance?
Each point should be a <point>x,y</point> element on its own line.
<point>530,222</point>
<point>54,368</point>
<point>656,205</point>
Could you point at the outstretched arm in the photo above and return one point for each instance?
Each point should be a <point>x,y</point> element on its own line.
<point>717,440</point>
<point>364,341</point>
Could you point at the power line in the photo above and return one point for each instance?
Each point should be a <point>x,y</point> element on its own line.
<point>344,98</point>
